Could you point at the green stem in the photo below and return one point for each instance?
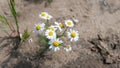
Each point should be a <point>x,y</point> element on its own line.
<point>42,51</point>
<point>63,32</point>
<point>13,11</point>
<point>47,24</point>
<point>10,27</point>
<point>16,21</point>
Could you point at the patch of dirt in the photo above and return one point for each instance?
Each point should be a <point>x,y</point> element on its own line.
<point>98,26</point>
<point>108,48</point>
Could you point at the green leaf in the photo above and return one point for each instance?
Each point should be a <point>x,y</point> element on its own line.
<point>11,4</point>
<point>12,8</point>
<point>3,20</point>
<point>25,35</point>
<point>42,40</point>
<point>4,28</point>
<point>49,1</point>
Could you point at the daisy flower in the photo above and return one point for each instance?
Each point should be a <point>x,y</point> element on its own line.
<point>52,28</point>
<point>50,34</point>
<point>69,23</point>
<point>39,27</point>
<point>59,26</point>
<point>54,44</point>
<point>73,35</point>
<point>68,48</point>
<point>48,17</point>
<point>43,15</point>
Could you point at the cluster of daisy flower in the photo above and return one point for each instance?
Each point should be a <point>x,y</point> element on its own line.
<point>55,32</point>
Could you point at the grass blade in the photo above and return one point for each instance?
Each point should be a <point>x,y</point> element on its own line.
<point>4,28</point>
<point>13,12</point>
<point>25,35</point>
<point>4,21</point>
<point>49,1</point>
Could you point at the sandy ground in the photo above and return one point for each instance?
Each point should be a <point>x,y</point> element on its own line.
<point>96,17</point>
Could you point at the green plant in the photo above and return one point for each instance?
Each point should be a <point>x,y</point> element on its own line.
<point>42,40</point>
<point>50,36</point>
<point>49,1</point>
<point>4,20</point>
<point>14,14</point>
<point>15,33</point>
<point>25,36</point>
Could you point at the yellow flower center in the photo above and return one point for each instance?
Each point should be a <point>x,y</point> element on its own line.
<point>61,25</point>
<point>43,14</point>
<point>69,23</point>
<point>50,33</point>
<point>38,27</point>
<point>73,34</point>
<point>51,28</point>
<point>56,43</point>
<point>48,17</point>
<point>68,46</point>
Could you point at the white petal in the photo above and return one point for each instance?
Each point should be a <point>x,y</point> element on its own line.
<point>67,50</point>
<point>71,39</point>
<point>55,49</point>
<point>61,41</point>
<point>58,48</point>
